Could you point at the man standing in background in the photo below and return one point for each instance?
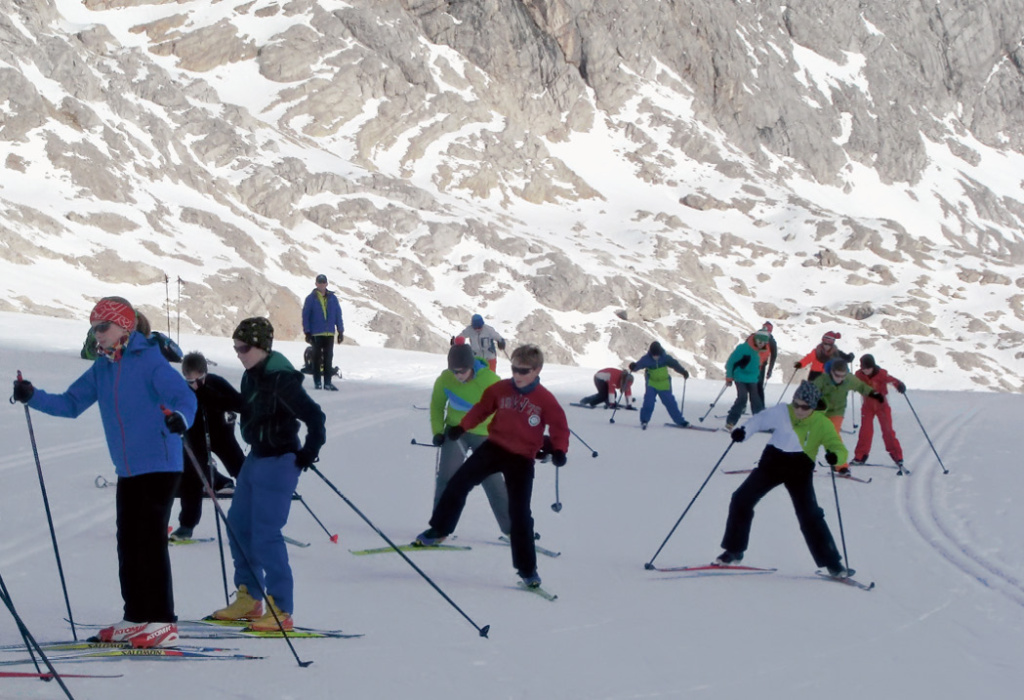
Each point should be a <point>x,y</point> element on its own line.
<point>321,316</point>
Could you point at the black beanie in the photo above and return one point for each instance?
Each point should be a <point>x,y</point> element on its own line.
<point>655,350</point>
<point>256,332</point>
<point>460,357</point>
<point>867,362</point>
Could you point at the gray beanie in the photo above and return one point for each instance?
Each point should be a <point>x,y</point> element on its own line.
<point>808,393</point>
<point>460,357</point>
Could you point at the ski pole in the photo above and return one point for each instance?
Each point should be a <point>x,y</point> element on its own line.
<point>422,444</point>
<point>593,452</point>
<point>333,538</point>
<point>724,387</point>
<point>682,399</point>
<point>482,630</point>
<point>839,515</point>
<point>30,642</point>
<point>853,409</point>
<point>650,565</point>
<point>49,517</point>
<point>557,505</point>
<point>614,410</point>
<point>786,388</point>
<point>223,565</point>
<point>944,470</point>
<point>208,488</point>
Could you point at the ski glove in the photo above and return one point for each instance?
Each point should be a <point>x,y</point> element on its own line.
<point>175,422</point>
<point>23,390</point>
<point>797,365</point>
<point>455,432</point>
<point>309,338</point>
<point>632,366</point>
<point>876,396</point>
<point>558,458</point>
<point>304,458</point>
<point>438,439</point>
<point>501,344</point>
<point>831,458</point>
<point>739,434</point>
<point>686,375</point>
<point>341,338</point>
<point>901,387</point>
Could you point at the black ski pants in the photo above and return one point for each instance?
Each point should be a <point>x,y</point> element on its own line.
<point>518,472</point>
<point>144,566</point>
<point>323,358</point>
<point>795,471</point>
<point>191,489</point>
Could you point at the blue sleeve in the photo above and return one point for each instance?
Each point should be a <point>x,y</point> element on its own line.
<point>307,316</point>
<point>73,402</point>
<point>645,362</point>
<point>337,307</point>
<point>174,392</point>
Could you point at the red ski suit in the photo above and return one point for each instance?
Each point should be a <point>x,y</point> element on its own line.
<point>869,410</point>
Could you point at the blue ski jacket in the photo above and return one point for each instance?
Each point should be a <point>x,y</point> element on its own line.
<point>130,393</point>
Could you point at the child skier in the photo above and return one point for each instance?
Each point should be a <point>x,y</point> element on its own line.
<point>608,382</point>
<point>879,380</point>
<point>742,369</point>
<point>834,385</point>
<point>656,364</point>
<point>520,409</point>
<point>797,432</point>
<point>823,352</point>
<point>456,391</point>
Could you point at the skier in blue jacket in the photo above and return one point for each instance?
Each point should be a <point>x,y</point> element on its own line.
<point>321,317</point>
<point>132,382</point>
<point>656,364</point>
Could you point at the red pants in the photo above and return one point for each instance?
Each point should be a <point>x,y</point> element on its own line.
<point>868,411</point>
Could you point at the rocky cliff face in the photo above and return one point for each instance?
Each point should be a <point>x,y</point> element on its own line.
<point>588,174</point>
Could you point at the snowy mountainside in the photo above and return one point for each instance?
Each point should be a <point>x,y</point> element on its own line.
<point>587,175</point>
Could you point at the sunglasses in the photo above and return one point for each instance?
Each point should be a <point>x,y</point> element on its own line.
<point>800,406</point>
<point>242,349</point>
<point>522,370</point>
<point>465,370</point>
<point>102,327</point>
<point>197,381</point>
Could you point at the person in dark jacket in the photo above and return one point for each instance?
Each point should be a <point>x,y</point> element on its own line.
<point>132,383</point>
<point>273,404</point>
<point>212,433</point>
<point>656,364</point>
<point>321,317</point>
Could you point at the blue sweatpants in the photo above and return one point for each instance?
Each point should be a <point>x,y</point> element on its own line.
<point>259,511</point>
<point>667,398</point>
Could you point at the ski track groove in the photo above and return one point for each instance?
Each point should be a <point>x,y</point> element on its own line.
<point>925,514</point>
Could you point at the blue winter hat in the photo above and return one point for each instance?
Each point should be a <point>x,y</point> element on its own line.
<point>477,321</point>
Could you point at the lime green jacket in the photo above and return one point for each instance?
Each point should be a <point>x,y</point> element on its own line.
<point>835,394</point>
<point>458,398</point>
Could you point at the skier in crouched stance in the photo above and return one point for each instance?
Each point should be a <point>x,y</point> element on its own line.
<point>521,408</point>
<point>788,459</point>
<point>272,404</point>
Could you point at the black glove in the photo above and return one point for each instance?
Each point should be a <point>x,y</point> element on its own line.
<point>797,365</point>
<point>632,366</point>
<point>876,396</point>
<point>558,458</point>
<point>831,458</point>
<point>768,375</point>
<point>686,375</point>
<point>341,338</point>
<point>739,434</point>
<point>438,439</point>
<point>175,422</point>
<point>455,432</point>
<point>901,387</point>
<point>23,390</point>
<point>545,449</point>
<point>304,458</point>
<point>501,344</point>
<point>452,341</point>
<point>309,338</point>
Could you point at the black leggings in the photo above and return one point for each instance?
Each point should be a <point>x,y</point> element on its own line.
<point>144,566</point>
